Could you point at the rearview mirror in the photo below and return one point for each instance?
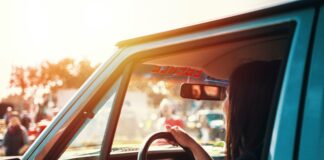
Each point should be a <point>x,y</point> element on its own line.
<point>203,92</point>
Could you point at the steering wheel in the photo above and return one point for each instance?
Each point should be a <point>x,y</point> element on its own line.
<point>142,153</point>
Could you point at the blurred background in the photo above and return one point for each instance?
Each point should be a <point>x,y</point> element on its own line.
<point>49,48</point>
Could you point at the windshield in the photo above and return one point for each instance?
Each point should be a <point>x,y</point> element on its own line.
<point>153,101</point>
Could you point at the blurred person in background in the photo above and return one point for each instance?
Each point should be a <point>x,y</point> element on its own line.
<point>168,116</point>
<point>8,114</point>
<point>15,140</point>
<point>41,113</point>
<point>204,129</point>
<point>25,119</point>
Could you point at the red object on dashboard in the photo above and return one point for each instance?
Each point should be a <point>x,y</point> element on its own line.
<point>174,122</point>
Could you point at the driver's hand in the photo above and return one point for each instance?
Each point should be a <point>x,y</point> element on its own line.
<point>185,140</point>
<point>181,136</point>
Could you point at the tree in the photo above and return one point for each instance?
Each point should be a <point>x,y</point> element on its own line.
<point>51,76</point>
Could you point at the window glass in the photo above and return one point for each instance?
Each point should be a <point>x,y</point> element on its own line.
<point>153,101</point>
<point>89,139</point>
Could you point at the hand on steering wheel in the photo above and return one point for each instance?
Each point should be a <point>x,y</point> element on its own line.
<point>142,153</point>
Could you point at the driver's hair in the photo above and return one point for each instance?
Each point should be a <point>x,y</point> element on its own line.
<point>250,97</point>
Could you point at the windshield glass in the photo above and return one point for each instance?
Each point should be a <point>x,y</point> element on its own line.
<point>153,101</point>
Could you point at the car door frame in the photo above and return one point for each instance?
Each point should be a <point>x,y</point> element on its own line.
<point>310,143</point>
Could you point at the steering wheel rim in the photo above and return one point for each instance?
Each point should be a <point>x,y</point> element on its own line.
<point>142,153</point>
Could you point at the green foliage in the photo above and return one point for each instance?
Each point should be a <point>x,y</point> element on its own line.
<point>66,73</point>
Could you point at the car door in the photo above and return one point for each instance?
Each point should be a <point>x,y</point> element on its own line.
<point>310,140</point>
<point>108,85</point>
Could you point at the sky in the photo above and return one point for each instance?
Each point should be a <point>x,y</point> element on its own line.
<point>32,31</point>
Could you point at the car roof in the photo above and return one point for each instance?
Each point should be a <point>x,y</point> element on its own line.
<point>217,23</point>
